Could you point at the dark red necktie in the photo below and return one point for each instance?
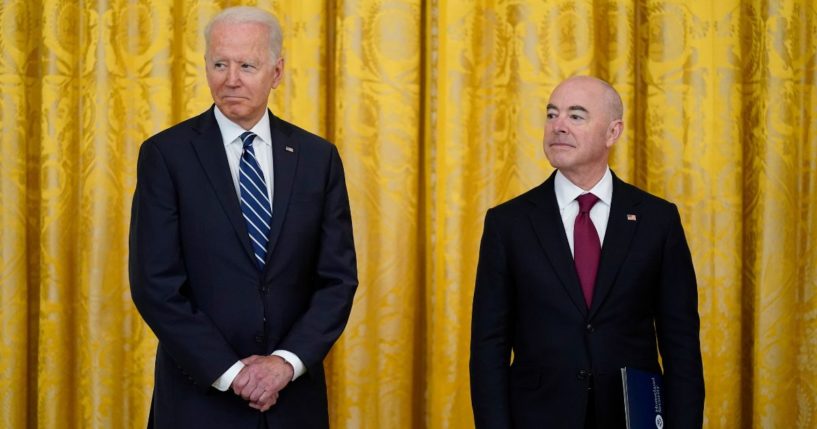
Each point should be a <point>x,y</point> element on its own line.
<point>586,246</point>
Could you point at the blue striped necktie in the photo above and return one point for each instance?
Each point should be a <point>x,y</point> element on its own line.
<point>254,199</point>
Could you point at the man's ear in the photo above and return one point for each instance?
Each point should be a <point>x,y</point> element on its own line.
<point>278,72</point>
<point>614,131</point>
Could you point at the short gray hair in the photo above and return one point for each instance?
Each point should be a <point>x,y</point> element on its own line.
<point>247,14</point>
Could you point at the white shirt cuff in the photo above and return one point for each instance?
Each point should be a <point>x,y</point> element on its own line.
<point>298,368</point>
<point>224,382</point>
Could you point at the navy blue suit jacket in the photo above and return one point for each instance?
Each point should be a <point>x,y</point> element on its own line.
<point>195,282</point>
<point>528,300</point>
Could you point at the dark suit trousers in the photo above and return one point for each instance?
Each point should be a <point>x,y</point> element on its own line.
<point>590,417</point>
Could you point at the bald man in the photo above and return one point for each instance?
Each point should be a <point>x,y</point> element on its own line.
<point>580,277</point>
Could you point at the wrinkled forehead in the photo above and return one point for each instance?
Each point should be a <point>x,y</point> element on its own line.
<point>239,40</point>
<point>254,31</point>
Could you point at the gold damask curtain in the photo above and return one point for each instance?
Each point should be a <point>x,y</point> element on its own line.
<point>438,110</point>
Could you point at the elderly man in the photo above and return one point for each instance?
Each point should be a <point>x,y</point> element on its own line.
<point>580,277</point>
<point>242,260</point>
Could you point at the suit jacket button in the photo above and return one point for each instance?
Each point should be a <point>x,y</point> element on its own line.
<point>590,328</point>
<point>582,374</point>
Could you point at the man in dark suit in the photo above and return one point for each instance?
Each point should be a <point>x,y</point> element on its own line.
<point>580,277</point>
<point>242,259</point>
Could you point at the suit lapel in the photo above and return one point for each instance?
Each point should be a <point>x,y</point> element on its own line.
<point>547,222</point>
<point>209,148</point>
<point>619,234</point>
<point>285,155</point>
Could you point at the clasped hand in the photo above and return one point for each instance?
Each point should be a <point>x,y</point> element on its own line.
<point>261,379</point>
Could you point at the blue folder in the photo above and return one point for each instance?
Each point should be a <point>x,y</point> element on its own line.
<point>643,399</point>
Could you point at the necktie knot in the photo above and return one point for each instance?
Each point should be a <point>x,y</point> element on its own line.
<point>246,139</point>
<point>586,202</point>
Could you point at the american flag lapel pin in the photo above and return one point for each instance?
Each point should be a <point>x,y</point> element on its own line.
<point>631,217</point>
<point>289,149</point>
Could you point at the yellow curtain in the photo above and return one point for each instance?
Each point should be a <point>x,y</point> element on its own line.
<point>438,109</point>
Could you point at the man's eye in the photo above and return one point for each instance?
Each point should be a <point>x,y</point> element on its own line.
<point>576,117</point>
<point>551,115</point>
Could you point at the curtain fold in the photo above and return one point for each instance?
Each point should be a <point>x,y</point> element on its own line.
<point>376,374</point>
<point>438,110</point>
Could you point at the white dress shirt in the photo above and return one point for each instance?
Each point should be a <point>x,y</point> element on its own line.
<point>262,146</point>
<point>566,194</point>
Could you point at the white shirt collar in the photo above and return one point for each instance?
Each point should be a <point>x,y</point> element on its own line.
<point>566,191</point>
<point>230,131</point>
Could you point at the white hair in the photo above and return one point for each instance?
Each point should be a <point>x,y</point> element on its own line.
<point>247,14</point>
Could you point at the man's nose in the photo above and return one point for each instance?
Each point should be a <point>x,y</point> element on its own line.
<point>233,76</point>
<point>558,124</point>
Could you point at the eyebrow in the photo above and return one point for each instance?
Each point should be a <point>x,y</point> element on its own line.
<point>576,107</point>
